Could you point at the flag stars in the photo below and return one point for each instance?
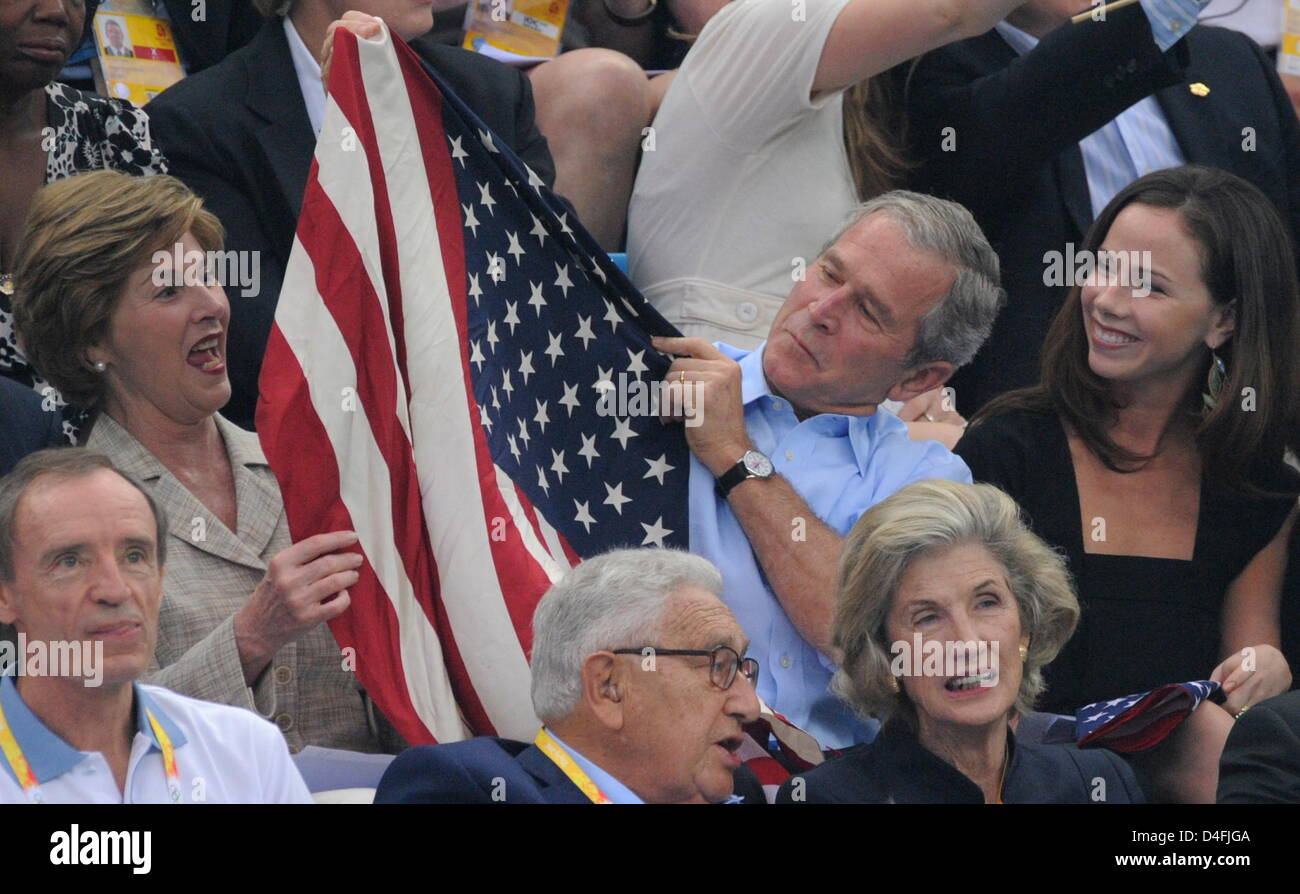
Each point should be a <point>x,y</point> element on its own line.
<point>655,533</point>
<point>471,222</point>
<point>458,152</point>
<point>475,290</point>
<point>542,482</point>
<point>515,250</point>
<point>484,419</point>
<point>514,448</point>
<point>584,515</point>
<point>604,379</point>
<point>496,269</point>
<point>512,315</point>
<point>523,432</point>
<point>492,337</point>
<point>588,450</point>
<point>611,315</point>
<point>505,383</point>
<point>584,331</point>
<point>535,300</point>
<point>558,466</point>
<point>623,431</point>
<point>496,404</point>
<point>476,355</point>
<point>542,417</point>
<point>553,350</point>
<point>562,279</point>
<point>485,198</point>
<point>636,363</point>
<point>485,137</point>
<point>614,497</point>
<point>526,365</point>
<point>564,225</point>
<point>658,468</point>
<point>533,180</point>
<point>538,230</point>
<point>570,399</point>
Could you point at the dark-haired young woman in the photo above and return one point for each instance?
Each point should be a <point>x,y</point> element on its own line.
<point>1152,451</point>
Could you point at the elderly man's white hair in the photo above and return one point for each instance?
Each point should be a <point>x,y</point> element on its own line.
<point>612,601</point>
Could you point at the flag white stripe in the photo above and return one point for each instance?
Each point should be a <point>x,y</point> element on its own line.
<point>527,536</point>
<point>364,486</point>
<point>444,440</point>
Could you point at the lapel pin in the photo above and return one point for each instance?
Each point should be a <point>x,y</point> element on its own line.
<point>1199,89</point>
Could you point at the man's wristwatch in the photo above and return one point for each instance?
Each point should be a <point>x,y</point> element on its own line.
<point>752,465</point>
<point>631,21</point>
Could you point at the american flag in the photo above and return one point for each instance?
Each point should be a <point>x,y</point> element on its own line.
<point>1135,723</point>
<point>442,338</point>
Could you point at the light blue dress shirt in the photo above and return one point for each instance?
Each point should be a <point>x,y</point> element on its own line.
<point>1138,140</point>
<point>841,466</point>
<point>617,792</point>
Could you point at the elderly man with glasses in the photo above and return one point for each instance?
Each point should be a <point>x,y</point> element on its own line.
<point>642,687</point>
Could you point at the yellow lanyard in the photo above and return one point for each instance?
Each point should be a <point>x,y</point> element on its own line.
<point>569,767</point>
<point>27,779</point>
<point>22,770</point>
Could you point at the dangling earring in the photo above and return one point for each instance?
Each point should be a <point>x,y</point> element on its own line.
<point>1214,381</point>
<point>1024,652</point>
<point>100,366</point>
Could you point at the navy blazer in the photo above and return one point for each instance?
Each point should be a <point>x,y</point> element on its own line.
<point>1261,759</point>
<point>24,426</point>
<point>239,136</point>
<point>999,133</point>
<point>896,769</point>
<point>488,770</point>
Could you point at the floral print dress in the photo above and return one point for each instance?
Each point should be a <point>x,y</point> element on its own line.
<point>91,133</point>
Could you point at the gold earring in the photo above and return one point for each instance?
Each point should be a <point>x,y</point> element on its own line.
<point>1024,652</point>
<point>893,683</point>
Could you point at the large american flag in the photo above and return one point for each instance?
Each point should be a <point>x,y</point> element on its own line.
<point>432,381</point>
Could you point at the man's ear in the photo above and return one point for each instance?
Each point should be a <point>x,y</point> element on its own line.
<point>921,379</point>
<point>8,605</point>
<point>1225,323</point>
<point>603,690</point>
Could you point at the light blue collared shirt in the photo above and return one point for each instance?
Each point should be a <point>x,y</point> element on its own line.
<point>617,792</point>
<point>841,466</point>
<point>1138,140</point>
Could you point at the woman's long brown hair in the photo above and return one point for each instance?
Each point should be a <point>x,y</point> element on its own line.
<point>1246,256</point>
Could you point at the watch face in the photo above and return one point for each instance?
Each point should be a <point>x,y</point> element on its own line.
<point>757,464</point>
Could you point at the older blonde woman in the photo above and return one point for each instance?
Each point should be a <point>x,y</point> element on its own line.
<point>116,308</point>
<point>948,608</point>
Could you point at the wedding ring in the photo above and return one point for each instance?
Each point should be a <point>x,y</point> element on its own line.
<point>681,376</point>
<point>930,418</point>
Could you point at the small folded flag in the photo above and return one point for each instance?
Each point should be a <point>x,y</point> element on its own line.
<point>1135,723</point>
<point>795,750</point>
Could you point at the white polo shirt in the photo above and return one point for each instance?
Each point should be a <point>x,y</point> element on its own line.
<point>225,755</point>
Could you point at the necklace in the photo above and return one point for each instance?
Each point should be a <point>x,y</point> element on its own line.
<point>1002,777</point>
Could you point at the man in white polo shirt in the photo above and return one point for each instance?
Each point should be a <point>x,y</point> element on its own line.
<point>81,557</point>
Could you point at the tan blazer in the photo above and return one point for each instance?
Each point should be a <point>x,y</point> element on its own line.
<point>209,573</point>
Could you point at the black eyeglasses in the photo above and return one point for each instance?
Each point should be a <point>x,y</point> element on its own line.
<point>724,662</point>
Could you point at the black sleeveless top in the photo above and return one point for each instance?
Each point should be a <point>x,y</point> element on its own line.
<point>1145,621</point>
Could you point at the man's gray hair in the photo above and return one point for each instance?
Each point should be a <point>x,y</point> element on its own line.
<point>613,601</point>
<point>953,329</point>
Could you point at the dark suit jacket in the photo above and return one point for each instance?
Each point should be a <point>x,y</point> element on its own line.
<point>226,27</point>
<point>896,769</point>
<point>24,426</point>
<point>239,136</point>
<point>1017,165</point>
<point>473,771</point>
<point>1261,759</point>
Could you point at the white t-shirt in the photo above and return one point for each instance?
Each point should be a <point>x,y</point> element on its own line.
<point>746,175</point>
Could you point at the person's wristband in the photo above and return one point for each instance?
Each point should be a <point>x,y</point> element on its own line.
<point>632,21</point>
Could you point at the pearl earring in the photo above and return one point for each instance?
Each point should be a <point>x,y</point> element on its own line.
<point>100,366</point>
